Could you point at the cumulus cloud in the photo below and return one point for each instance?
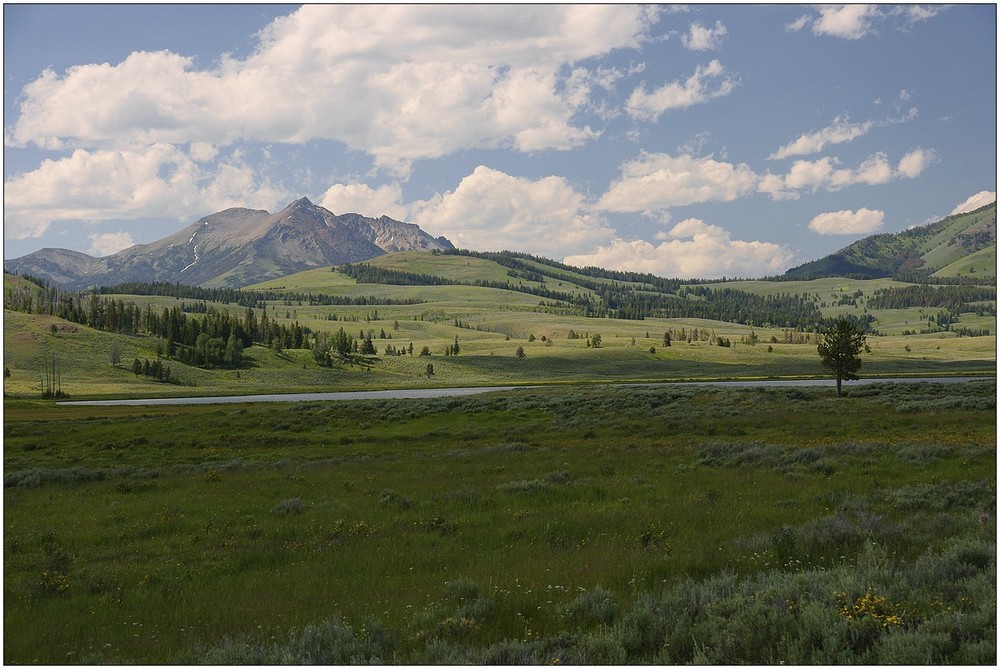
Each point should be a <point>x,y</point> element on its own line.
<point>861,222</point>
<point>203,152</point>
<point>915,162</point>
<point>160,180</point>
<point>493,210</point>
<point>980,199</point>
<point>658,181</point>
<point>774,186</point>
<point>700,38</point>
<point>694,249</point>
<point>486,77</point>
<point>854,22</point>
<point>873,171</point>
<point>841,130</point>
<point>707,83</point>
<point>362,199</point>
<point>109,243</point>
<point>398,82</point>
<point>825,174</point>
<point>845,21</point>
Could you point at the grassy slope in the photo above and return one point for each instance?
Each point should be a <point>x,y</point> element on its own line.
<point>938,250</point>
<point>980,263</point>
<point>934,243</point>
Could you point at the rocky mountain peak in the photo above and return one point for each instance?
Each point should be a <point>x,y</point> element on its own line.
<point>301,203</point>
<point>237,247</point>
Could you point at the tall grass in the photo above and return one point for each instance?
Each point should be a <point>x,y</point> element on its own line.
<point>584,525</point>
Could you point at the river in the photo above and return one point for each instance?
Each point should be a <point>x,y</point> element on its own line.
<point>418,393</point>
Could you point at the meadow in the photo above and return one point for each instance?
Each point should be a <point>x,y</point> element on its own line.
<point>587,524</point>
<point>505,336</point>
<point>489,338</point>
<point>579,521</point>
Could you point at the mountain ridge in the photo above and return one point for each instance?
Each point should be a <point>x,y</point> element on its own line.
<point>236,247</point>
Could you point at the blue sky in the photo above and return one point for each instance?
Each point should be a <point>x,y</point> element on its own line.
<point>692,141</point>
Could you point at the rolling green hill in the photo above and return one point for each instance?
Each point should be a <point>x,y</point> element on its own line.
<point>941,249</point>
<point>506,331</point>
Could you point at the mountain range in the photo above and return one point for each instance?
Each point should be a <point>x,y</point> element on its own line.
<point>239,247</point>
<point>234,248</point>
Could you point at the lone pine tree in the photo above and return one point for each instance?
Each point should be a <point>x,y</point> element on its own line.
<point>840,350</point>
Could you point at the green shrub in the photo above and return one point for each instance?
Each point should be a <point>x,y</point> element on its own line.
<point>330,642</point>
<point>602,646</point>
<point>557,477</point>
<point>292,505</point>
<point>523,486</point>
<point>596,607</point>
<point>391,498</point>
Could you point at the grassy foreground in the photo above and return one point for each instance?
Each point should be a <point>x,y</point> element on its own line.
<point>580,525</point>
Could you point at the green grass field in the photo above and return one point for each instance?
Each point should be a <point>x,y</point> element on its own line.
<point>488,355</point>
<point>579,522</point>
<point>490,325</point>
<point>587,525</point>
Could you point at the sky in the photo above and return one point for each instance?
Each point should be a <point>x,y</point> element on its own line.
<point>695,141</point>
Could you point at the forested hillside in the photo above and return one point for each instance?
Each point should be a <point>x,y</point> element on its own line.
<point>613,294</point>
<point>936,249</point>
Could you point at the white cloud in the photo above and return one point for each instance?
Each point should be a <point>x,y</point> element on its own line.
<point>398,82</point>
<point>158,181</point>
<point>980,199</point>
<point>846,21</point>
<point>913,14</point>
<point>774,186</point>
<point>824,174</point>
<point>493,210</point>
<point>810,173</point>
<point>695,145</point>
<point>861,222</point>
<point>841,130</point>
<point>700,38</point>
<point>657,181</point>
<point>486,77</point>
<point>707,83</point>
<point>109,243</point>
<point>203,152</point>
<point>915,162</point>
<point>654,182</point>
<point>363,199</point>
<point>853,22</point>
<point>695,249</point>
<point>873,171</point>
<point>798,24</point>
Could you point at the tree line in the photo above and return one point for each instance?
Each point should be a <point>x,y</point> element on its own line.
<point>244,297</point>
<point>627,295</point>
<point>955,298</point>
<point>215,339</point>
<point>367,273</point>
